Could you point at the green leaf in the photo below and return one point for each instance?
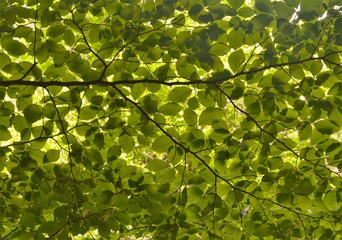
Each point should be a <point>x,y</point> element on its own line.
<point>137,90</point>
<point>170,109</point>
<point>236,38</point>
<point>261,21</point>
<point>335,90</point>
<point>190,117</point>
<point>264,230</point>
<point>61,214</point>
<point>285,199</point>
<point>19,123</point>
<point>5,134</point>
<point>330,200</point>
<point>283,10</point>
<point>32,113</point>
<point>170,119</point>
<point>122,217</point>
<point>88,112</point>
<point>194,195</point>
<point>305,187</point>
<point>104,230</point>
<point>56,30</point>
<point>316,67</point>
<point>4,59</point>
<point>49,227</point>
<point>246,12</point>
<point>69,37</point>
<point>151,105</point>
<point>195,9</point>
<point>127,143</point>
<point>197,145</point>
<point>113,122</point>
<point>335,116</point>
<point>308,4</point>
<point>305,131</point>
<point>264,6</point>
<point>120,201</point>
<point>127,12</point>
<point>105,197</point>
<point>157,165</point>
<point>179,94</point>
<point>179,20</point>
<point>214,31</point>
<point>275,163</point>
<point>47,17</point>
<point>222,75</point>
<point>236,4</point>
<point>147,128</point>
<point>236,60</point>
<point>162,144</point>
<point>297,71</point>
<point>49,111</point>
<point>210,115</point>
<point>268,103</point>
<point>28,220</point>
<point>51,155</point>
<point>326,127</point>
<point>16,48</point>
<point>317,136</point>
<point>183,68</point>
<point>219,49</point>
<point>206,17</point>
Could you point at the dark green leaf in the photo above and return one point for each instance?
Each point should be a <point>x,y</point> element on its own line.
<point>326,127</point>
<point>105,197</point>
<point>28,220</point>
<point>308,4</point>
<point>297,71</point>
<point>16,48</point>
<point>32,113</point>
<point>264,6</point>
<point>195,9</point>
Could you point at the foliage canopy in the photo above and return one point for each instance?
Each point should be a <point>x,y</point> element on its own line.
<point>170,119</point>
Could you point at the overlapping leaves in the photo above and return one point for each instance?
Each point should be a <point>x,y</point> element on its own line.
<point>170,119</point>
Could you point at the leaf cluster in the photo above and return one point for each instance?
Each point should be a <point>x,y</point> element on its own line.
<point>170,119</point>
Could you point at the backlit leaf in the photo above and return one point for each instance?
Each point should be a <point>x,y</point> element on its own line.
<point>264,5</point>
<point>236,60</point>
<point>5,134</point>
<point>179,94</point>
<point>32,113</point>
<point>156,165</point>
<point>16,48</point>
<point>210,115</point>
<point>162,144</point>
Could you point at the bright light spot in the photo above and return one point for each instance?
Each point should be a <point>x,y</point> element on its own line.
<point>295,14</point>
<point>323,16</point>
